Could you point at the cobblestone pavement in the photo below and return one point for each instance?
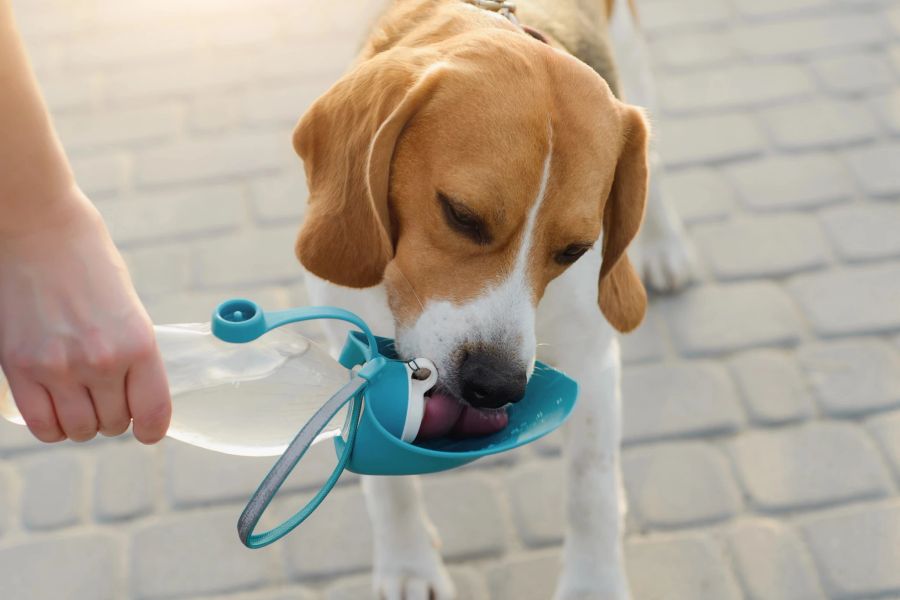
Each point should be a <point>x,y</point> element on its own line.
<point>762,407</point>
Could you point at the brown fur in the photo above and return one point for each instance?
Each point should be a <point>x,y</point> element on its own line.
<point>448,98</point>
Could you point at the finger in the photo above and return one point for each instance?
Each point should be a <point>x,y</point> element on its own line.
<point>148,399</point>
<point>110,405</point>
<point>75,411</point>
<point>36,408</point>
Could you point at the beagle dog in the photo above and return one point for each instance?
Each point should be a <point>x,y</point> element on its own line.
<point>474,184</point>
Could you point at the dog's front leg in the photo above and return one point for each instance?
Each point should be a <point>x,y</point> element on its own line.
<point>593,562</point>
<point>408,565</point>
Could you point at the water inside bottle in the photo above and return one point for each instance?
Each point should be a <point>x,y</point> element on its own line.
<point>245,399</point>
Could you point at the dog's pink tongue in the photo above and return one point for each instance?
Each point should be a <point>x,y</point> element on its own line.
<point>444,414</point>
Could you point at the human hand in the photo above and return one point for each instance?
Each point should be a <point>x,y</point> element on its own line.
<point>76,345</point>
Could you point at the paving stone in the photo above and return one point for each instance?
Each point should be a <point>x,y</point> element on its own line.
<point>281,199</point>
<point>159,270</point>
<point>532,577</point>
<point>467,513</point>
<point>700,194</point>
<point>887,107</point>
<point>876,169</point>
<point>131,126</point>
<point>679,485</point>
<point>83,566</point>
<point>231,156</point>
<point>714,319</point>
<point>777,8</point>
<point>194,553</point>
<point>854,73</point>
<point>8,489</point>
<point>864,231</point>
<point>69,93</point>
<point>797,37</point>
<point>215,113</point>
<point>733,87</point>
<point>762,246</point>
<point>852,377</point>
<point>122,48</point>
<point>124,481</point>
<point>53,490</point>
<point>857,550</point>
<point>790,182</point>
<point>158,216</point>
<point>262,256</point>
<point>196,476</point>
<point>886,430</point>
<point>817,123</point>
<point>694,49</point>
<point>101,176</point>
<point>196,307</point>
<point>15,438</point>
<point>810,466</point>
<point>280,593</point>
<point>771,562</point>
<point>683,567</point>
<point>646,343</point>
<point>469,584</point>
<point>695,140</point>
<point>774,388</point>
<point>537,496</point>
<point>665,401</point>
<point>341,530</point>
<point>283,105</point>
<point>834,305</point>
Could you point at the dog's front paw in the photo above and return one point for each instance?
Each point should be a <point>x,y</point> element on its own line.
<point>411,569</point>
<point>665,259</point>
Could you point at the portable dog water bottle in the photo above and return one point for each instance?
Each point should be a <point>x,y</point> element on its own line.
<point>252,398</point>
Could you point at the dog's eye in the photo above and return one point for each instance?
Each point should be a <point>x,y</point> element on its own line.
<point>572,253</point>
<point>461,219</point>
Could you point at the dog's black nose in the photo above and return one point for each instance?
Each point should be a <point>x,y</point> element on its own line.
<point>488,381</point>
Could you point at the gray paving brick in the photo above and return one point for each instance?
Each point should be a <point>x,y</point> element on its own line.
<point>773,387</point>
<point>158,216</point>
<point>790,182</point>
<point>818,123</point>
<point>132,126</point>
<point>762,246</point>
<point>864,231</point>
<point>870,569</point>
<point>701,194</point>
<point>714,319</point>
<point>468,514</point>
<point>194,553</point>
<point>71,93</point>
<point>832,302</point>
<point>280,199</point>
<point>215,113</point>
<point>876,169</point>
<point>159,270</point>
<point>335,540</point>
<point>122,48</point>
<point>772,563</point>
<point>852,377</point>
<point>797,37</point>
<point>83,566</point>
<point>733,87</point>
<point>214,159</point>
<point>14,438</point>
<point>537,498</point>
<point>241,34</point>
<point>667,401</point>
<point>777,8</point>
<point>886,430</point>
<point>470,584</point>
<point>530,577</point>
<point>679,485</point>
<point>854,73</point>
<point>887,107</point>
<point>8,489</point>
<point>125,481</point>
<point>262,256</point>
<point>696,140</point>
<point>806,467</point>
<point>694,49</point>
<point>684,567</point>
<point>280,593</point>
<point>194,307</point>
<point>53,490</point>
<point>101,176</point>
<point>283,105</point>
<point>646,343</point>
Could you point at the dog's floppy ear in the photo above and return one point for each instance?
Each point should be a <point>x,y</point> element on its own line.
<point>622,296</point>
<point>346,140</point>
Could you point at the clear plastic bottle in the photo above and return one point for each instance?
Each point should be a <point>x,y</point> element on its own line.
<point>246,399</point>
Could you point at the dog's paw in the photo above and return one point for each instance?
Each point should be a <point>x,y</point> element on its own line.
<point>414,582</point>
<point>666,261</point>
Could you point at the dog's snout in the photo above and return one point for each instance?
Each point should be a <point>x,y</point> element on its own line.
<point>488,381</point>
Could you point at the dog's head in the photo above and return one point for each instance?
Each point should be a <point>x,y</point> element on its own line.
<point>466,185</point>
